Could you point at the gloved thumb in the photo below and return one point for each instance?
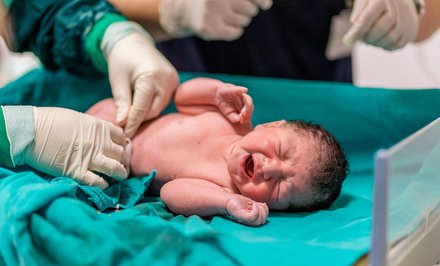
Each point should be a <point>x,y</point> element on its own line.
<point>142,100</point>
<point>354,33</point>
<point>264,4</point>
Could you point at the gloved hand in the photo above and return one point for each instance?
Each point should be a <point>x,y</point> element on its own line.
<point>209,19</point>
<point>142,79</point>
<point>389,24</point>
<point>68,143</point>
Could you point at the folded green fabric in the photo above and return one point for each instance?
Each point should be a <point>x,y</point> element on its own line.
<point>43,223</point>
<point>124,194</point>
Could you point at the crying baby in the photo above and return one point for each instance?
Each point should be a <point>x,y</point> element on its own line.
<point>210,160</point>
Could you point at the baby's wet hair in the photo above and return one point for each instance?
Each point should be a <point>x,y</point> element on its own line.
<point>328,174</point>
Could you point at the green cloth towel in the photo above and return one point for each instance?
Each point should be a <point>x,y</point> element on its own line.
<point>44,223</point>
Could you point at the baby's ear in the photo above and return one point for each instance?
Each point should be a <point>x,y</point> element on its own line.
<point>271,124</point>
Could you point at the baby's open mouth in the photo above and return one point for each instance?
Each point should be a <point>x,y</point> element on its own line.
<point>249,167</point>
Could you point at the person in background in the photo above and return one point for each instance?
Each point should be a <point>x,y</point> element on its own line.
<point>283,38</point>
<point>82,37</point>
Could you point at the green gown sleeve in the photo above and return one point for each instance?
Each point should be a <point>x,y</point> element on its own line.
<point>57,32</point>
<point>5,145</point>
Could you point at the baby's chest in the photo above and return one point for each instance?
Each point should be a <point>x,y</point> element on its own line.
<point>198,132</point>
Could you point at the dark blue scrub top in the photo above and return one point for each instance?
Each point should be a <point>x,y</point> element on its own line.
<point>287,41</point>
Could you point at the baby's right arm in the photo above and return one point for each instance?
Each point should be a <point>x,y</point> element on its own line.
<point>200,197</point>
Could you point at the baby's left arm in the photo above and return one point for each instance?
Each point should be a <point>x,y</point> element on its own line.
<point>200,197</point>
<point>201,95</point>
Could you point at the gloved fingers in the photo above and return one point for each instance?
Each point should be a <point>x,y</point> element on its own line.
<point>358,7</point>
<point>228,33</point>
<point>245,7</point>
<point>356,32</point>
<point>117,152</point>
<point>380,29</point>
<point>156,106</point>
<point>237,20</point>
<point>116,134</point>
<point>93,179</point>
<point>109,167</point>
<point>133,123</point>
<point>142,99</point>
<point>363,22</point>
<point>263,4</point>
<point>392,8</point>
<point>121,90</point>
<point>389,40</point>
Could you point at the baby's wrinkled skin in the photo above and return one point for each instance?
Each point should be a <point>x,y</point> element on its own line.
<point>210,160</point>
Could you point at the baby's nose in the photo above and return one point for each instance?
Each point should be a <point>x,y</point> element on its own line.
<point>271,169</point>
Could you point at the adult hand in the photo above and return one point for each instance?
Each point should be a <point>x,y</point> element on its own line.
<point>142,79</point>
<point>209,19</point>
<point>389,24</point>
<point>234,103</point>
<point>68,143</point>
<point>247,211</point>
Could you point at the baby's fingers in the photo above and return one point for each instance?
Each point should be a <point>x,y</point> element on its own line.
<point>257,214</point>
<point>247,110</point>
<point>234,117</point>
<point>263,212</point>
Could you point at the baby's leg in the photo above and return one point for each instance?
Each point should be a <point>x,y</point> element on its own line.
<point>105,109</point>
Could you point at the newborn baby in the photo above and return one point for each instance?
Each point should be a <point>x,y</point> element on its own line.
<point>210,160</point>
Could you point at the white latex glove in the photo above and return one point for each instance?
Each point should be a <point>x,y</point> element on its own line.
<point>142,79</point>
<point>68,143</point>
<point>209,19</point>
<point>389,24</point>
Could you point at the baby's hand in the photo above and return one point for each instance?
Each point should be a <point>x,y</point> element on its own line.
<point>234,102</point>
<point>247,211</point>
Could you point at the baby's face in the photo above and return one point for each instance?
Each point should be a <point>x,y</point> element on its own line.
<point>272,164</point>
